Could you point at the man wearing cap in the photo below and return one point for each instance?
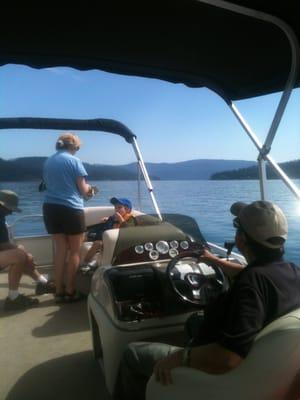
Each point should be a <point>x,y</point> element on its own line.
<point>17,259</point>
<point>121,218</point>
<point>267,288</point>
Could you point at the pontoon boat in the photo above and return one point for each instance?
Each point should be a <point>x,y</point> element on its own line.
<point>149,279</point>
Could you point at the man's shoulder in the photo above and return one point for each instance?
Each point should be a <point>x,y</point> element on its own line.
<point>251,274</point>
<point>278,269</point>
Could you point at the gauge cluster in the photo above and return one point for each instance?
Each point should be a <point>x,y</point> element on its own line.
<point>153,251</point>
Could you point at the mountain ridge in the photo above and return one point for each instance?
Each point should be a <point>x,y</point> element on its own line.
<point>30,168</point>
<point>291,168</point>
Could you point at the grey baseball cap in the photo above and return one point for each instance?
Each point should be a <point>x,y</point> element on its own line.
<point>9,200</point>
<point>263,221</point>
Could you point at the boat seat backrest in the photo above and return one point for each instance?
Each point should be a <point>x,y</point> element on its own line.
<point>110,238</point>
<point>265,374</point>
<point>93,215</point>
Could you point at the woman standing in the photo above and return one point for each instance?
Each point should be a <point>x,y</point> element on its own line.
<point>65,179</point>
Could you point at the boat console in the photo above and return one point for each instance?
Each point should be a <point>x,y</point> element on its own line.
<point>154,282</point>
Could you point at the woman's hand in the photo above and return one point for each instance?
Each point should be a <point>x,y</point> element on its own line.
<point>87,191</point>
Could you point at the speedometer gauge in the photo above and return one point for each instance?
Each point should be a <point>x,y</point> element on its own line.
<point>162,247</point>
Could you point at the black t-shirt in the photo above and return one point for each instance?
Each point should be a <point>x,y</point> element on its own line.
<point>3,230</point>
<point>259,295</point>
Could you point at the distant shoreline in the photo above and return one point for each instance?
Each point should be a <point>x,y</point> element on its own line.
<point>30,169</point>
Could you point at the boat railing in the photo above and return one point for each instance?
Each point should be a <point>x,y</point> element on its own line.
<point>11,226</point>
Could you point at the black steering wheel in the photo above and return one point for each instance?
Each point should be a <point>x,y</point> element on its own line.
<point>194,281</point>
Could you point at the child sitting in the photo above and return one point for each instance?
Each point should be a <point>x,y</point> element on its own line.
<point>121,218</point>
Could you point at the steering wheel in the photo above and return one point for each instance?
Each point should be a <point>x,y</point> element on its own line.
<point>194,281</point>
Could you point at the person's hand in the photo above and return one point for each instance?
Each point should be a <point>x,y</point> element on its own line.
<point>104,219</point>
<point>91,192</point>
<point>94,190</point>
<point>207,257</point>
<point>162,369</point>
<point>118,217</point>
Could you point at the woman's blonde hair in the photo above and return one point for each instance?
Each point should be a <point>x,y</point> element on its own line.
<point>68,141</point>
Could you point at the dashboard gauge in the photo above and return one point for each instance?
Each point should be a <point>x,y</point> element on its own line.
<point>149,246</point>
<point>139,249</point>
<point>184,244</point>
<point>174,244</point>
<point>154,255</point>
<point>173,253</point>
<point>162,247</point>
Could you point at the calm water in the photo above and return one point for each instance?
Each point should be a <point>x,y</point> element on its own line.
<point>207,201</point>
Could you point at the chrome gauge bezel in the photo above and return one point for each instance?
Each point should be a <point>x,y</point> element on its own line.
<point>162,247</point>
<point>148,246</point>
<point>139,249</point>
<point>173,252</point>
<point>154,255</point>
<point>184,244</point>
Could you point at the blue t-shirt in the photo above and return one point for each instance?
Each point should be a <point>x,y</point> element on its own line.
<point>60,175</point>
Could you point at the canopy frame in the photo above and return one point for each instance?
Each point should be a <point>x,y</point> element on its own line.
<point>265,148</point>
<point>104,125</point>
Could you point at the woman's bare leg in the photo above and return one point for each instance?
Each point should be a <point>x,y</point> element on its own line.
<point>60,254</point>
<point>74,243</point>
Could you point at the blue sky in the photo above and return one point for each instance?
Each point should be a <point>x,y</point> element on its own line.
<point>172,122</point>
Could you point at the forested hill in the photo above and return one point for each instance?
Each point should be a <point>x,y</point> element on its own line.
<point>291,168</point>
<point>30,168</point>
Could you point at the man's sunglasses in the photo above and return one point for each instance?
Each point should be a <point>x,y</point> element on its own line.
<point>237,223</point>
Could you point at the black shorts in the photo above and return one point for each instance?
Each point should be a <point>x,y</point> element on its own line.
<point>63,219</point>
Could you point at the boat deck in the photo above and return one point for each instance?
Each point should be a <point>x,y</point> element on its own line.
<point>46,352</point>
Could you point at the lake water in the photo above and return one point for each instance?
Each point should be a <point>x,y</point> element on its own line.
<point>207,201</point>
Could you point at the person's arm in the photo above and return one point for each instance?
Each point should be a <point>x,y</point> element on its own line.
<point>229,267</point>
<point>212,359</point>
<point>84,188</point>
<point>7,246</point>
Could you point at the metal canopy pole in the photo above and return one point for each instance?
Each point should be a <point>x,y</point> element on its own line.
<point>267,157</point>
<point>146,176</point>
<point>262,177</point>
<point>266,147</point>
<point>138,171</point>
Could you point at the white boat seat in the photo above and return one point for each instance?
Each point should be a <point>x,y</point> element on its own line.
<point>93,215</point>
<point>265,374</point>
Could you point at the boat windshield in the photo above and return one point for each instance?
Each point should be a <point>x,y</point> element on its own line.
<point>135,243</point>
<point>187,224</point>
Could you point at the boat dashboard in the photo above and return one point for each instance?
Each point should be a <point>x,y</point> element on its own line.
<point>135,293</point>
<point>156,271</point>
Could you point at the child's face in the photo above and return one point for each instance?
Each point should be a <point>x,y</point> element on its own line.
<point>122,210</point>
